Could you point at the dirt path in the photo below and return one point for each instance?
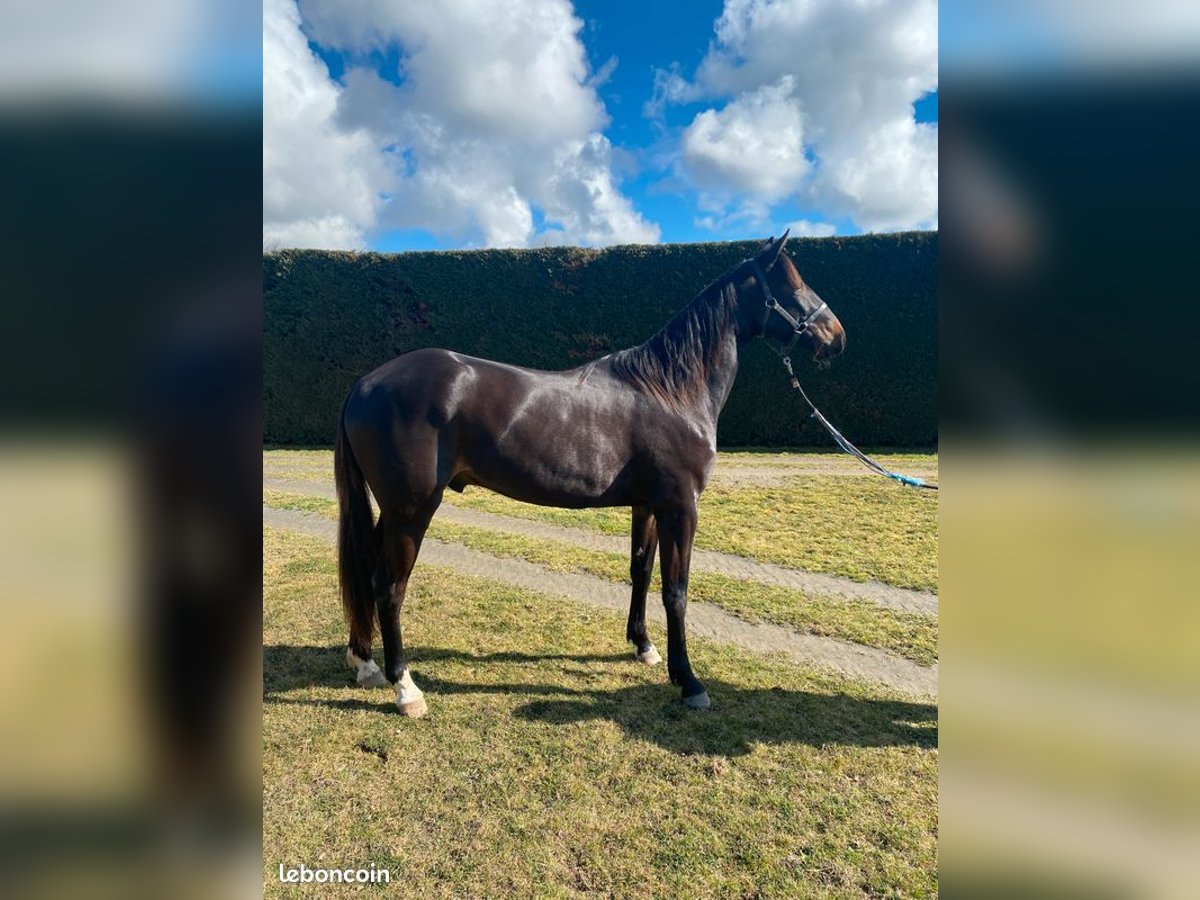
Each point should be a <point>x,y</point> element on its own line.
<point>702,560</point>
<point>853,660</point>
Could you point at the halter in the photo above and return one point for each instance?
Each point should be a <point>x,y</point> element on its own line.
<point>798,326</point>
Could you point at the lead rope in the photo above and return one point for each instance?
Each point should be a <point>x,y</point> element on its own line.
<point>845,444</point>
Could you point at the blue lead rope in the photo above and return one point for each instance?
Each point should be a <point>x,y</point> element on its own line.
<point>849,447</point>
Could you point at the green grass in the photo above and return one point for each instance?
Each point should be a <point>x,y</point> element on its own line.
<point>910,635</point>
<point>319,506</point>
<point>862,528</point>
<point>552,765</point>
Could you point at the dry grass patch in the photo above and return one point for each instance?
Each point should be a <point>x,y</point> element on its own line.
<point>553,765</point>
<point>862,528</point>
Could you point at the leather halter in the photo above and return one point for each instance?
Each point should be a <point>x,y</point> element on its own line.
<point>798,326</point>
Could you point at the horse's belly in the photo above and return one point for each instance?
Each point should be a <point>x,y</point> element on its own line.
<point>568,493</point>
<point>556,462</point>
<point>552,481</point>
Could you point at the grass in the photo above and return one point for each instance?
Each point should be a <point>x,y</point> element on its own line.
<point>910,635</point>
<point>862,528</point>
<point>551,765</point>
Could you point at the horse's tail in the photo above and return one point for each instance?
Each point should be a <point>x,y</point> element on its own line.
<point>357,553</point>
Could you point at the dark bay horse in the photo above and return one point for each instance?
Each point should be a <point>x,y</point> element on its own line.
<point>635,428</point>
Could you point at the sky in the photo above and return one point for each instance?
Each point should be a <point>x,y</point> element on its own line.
<point>470,123</point>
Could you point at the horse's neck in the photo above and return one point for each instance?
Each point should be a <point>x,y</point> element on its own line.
<point>724,344</point>
<point>690,363</point>
<point>722,375</point>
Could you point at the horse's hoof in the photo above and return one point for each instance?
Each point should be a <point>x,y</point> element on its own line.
<point>414,709</point>
<point>648,657</point>
<point>409,699</point>
<point>698,701</point>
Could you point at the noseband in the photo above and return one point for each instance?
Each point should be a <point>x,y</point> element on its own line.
<point>798,326</point>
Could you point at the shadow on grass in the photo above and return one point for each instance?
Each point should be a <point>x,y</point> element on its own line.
<point>292,668</point>
<point>740,717</point>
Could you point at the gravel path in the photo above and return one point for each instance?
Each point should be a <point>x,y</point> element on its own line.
<point>853,660</point>
<point>702,560</point>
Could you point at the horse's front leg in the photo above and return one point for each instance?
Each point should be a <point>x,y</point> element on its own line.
<point>676,531</point>
<point>641,566</point>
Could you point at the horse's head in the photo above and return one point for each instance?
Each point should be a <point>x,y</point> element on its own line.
<point>779,307</point>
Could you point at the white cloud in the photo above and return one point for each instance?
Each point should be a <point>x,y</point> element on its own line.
<point>496,116</point>
<point>320,180</point>
<point>605,73</point>
<point>805,228</point>
<point>580,195</point>
<point>754,145</point>
<point>748,215</point>
<point>669,87</point>
<point>855,70</point>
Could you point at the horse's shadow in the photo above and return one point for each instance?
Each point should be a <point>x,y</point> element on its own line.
<point>740,717</point>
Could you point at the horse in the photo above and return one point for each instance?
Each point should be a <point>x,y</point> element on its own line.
<point>635,428</point>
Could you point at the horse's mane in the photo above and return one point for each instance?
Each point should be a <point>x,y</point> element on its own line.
<point>674,364</point>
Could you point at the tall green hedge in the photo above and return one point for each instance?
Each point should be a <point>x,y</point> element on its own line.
<point>330,317</point>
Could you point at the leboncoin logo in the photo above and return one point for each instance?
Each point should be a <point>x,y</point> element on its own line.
<point>305,875</point>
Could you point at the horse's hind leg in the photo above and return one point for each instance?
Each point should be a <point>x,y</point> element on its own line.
<point>400,542</point>
<point>643,543</point>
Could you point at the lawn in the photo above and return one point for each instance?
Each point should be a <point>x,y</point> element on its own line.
<point>910,635</point>
<point>862,528</point>
<point>553,765</point>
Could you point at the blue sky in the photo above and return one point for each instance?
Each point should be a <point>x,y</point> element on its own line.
<point>674,31</point>
<point>594,122</point>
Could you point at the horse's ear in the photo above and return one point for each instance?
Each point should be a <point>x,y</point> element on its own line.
<point>769,254</point>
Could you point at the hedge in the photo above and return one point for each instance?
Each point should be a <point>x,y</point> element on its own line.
<point>330,317</point>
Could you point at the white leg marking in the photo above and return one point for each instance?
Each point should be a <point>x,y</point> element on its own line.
<point>409,699</point>
<point>366,673</point>
<point>649,656</point>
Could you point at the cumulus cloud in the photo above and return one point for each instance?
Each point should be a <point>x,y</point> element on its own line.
<point>321,181</point>
<point>754,145</point>
<point>849,73</point>
<point>495,120</point>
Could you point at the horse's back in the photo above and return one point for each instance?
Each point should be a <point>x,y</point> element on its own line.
<point>580,437</point>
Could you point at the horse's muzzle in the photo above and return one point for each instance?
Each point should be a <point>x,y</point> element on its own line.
<point>832,346</point>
